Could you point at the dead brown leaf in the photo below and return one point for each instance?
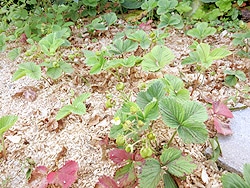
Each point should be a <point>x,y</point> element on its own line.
<point>28,93</point>
<point>61,154</point>
<point>94,120</point>
<point>53,125</point>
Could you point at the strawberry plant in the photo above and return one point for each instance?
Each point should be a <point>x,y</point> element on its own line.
<point>127,173</point>
<point>2,42</point>
<point>157,58</point>
<point>141,37</point>
<point>6,122</point>
<point>56,68</point>
<point>203,57</point>
<point>27,69</point>
<point>77,107</point>
<point>120,46</point>
<point>13,54</point>
<point>49,46</point>
<point>171,163</point>
<point>167,100</point>
<point>64,177</point>
<point>96,60</point>
<point>102,22</point>
<point>234,180</point>
<point>53,41</point>
<point>242,40</point>
<point>201,31</point>
<point>149,6</point>
<point>232,77</point>
<point>167,16</point>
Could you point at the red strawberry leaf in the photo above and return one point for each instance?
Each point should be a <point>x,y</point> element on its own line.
<point>126,176</point>
<point>65,176</point>
<point>106,182</point>
<point>221,127</point>
<point>39,177</point>
<point>220,108</point>
<point>119,156</point>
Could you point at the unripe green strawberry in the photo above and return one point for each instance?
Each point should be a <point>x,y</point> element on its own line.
<point>120,140</point>
<point>109,104</point>
<point>133,110</point>
<point>140,123</point>
<point>152,35</point>
<point>129,148</point>
<point>120,86</point>
<point>151,136</point>
<point>146,152</point>
<point>56,64</point>
<point>142,86</point>
<point>98,53</point>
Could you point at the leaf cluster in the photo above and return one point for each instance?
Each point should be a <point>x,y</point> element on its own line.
<point>167,100</point>
<point>64,177</point>
<point>204,56</point>
<point>6,122</point>
<point>77,107</point>
<point>234,180</point>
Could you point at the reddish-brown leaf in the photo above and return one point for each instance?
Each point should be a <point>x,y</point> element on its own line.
<point>61,154</point>
<point>28,93</point>
<point>65,176</point>
<point>106,182</point>
<point>119,156</point>
<point>104,141</point>
<point>221,127</point>
<point>126,176</point>
<point>220,108</point>
<point>23,38</point>
<point>39,177</point>
<point>137,157</point>
<point>146,26</point>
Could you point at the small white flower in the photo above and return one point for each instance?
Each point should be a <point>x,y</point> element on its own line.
<point>116,121</point>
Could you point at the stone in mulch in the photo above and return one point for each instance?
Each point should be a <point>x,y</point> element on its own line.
<point>236,148</point>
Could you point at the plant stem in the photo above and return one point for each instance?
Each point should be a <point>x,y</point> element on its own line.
<point>171,139</point>
<point>120,7</point>
<point>4,149</point>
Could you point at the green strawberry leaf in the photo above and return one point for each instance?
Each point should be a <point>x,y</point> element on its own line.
<point>151,174</point>
<point>181,166</point>
<point>7,122</point>
<point>169,155</point>
<point>157,58</point>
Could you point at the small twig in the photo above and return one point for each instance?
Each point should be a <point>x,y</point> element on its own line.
<point>47,80</point>
<point>238,108</point>
<point>195,85</point>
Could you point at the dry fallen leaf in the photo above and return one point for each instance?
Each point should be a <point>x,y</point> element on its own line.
<point>53,125</point>
<point>94,120</point>
<point>61,154</point>
<point>29,93</point>
<point>39,177</point>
